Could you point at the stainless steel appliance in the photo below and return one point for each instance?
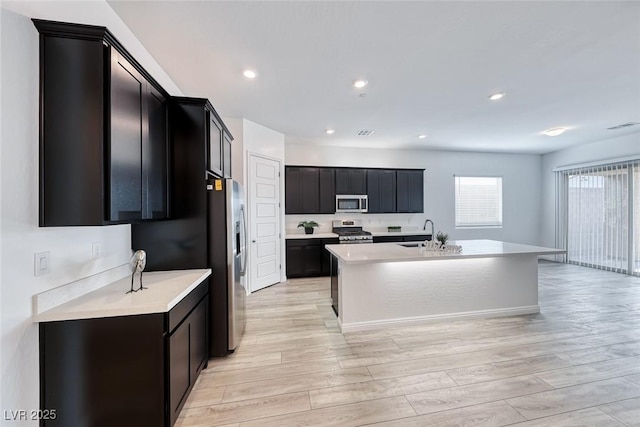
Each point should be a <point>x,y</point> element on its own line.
<point>350,231</point>
<point>209,232</point>
<point>352,203</point>
<point>236,251</point>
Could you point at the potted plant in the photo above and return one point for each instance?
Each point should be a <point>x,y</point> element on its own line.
<point>442,238</point>
<point>308,226</point>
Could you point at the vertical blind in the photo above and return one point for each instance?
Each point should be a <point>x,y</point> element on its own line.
<point>598,216</point>
<point>478,201</point>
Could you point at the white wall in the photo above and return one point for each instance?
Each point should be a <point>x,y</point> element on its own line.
<point>521,187</point>
<point>253,138</point>
<point>628,145</point>
<point>69,248</point>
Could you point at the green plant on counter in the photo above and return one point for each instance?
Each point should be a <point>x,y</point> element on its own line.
<point>308,226</point>
<point>442,238</point>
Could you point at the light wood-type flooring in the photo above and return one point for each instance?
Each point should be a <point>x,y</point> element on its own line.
<point>577,363</point>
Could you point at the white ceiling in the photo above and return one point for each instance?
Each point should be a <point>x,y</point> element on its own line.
<point>430,65</point>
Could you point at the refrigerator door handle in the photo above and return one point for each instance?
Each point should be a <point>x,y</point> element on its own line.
<point>243,264</point>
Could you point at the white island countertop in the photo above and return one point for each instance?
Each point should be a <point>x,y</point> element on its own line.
<point>165,290</point>
<point>394,252</point>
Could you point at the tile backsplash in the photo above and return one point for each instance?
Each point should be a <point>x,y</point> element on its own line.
<point>370,222</point>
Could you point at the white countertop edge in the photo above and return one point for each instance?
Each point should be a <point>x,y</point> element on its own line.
<point>60,313</point>
<point>311,236</point>
<point>413,254</point>
<point>401,233</point>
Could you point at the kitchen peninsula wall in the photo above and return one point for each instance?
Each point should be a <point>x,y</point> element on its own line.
<point>521,188</point>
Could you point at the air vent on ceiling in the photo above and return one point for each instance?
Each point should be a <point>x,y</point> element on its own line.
<point>364,132</point>
<point>623,125</point>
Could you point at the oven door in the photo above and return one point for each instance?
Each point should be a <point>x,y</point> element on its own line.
<point>351,203</point>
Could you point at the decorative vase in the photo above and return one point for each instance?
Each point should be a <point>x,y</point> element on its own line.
<point>308,230</point>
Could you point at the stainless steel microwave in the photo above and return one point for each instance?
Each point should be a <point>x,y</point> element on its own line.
<point>352,203</point>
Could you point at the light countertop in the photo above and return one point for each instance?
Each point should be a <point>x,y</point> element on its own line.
<point>165,290</point>
<point>393,252</point>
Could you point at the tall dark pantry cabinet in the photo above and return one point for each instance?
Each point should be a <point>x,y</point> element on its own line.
<point>198,236</point>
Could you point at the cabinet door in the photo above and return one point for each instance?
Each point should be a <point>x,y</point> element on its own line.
<point>326,256</point>
<point>327,190</point>
<point>381,189</point>
<point>351,181</point>
<point>214,145</point>
<point>302,190</point>
<point>226,155</point>
<point>312,259</point>
<point>387,239</point>
<point>295,266</point>
<point>304,257</point>
<point>179,372</point>
<point>155,157</point>
<point>410,191</point>
<point>198,352</point>
<point>125,150</point>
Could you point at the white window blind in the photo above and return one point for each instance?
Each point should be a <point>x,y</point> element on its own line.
<point>598,216</point>
<point>478,201</point>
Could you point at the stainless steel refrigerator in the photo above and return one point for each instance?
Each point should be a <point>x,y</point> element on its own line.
<point>209,232</point>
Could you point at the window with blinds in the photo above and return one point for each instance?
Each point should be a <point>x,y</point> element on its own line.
<point>598,216</point>
<point>478,201</point>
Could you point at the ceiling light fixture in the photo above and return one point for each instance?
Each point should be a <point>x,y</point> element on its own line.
<point>496,96</point>
<point>422,136</point>
<point>554,131</point>
<point>359,84</point>
<point>250,74</point>
<point>330,131</point>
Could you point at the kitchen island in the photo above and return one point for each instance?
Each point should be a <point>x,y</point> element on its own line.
<point>390,284</point>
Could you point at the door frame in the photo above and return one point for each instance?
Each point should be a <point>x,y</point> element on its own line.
<point>248,182</point>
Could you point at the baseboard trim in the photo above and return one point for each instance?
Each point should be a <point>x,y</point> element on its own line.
<point>406,321</point>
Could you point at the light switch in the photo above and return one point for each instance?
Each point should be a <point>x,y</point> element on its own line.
<point>41,263</point>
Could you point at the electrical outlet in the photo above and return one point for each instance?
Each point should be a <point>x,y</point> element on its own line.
<point>96,250</point>
<point>41,263</point>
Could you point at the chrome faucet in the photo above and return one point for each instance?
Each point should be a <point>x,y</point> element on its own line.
<point>425,227</point>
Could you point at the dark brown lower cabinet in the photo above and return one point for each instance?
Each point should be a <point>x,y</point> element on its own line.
<point>308,257</point>
<point>127,371</point>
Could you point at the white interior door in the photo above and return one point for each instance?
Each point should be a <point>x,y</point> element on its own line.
<point>264,222</point>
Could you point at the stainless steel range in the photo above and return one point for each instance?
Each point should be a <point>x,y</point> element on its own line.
<point>350,231</point>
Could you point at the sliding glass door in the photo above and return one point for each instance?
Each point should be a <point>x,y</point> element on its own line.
<point>602,216</point>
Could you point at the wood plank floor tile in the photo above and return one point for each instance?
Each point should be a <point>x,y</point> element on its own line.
<point>203,396</point>
<point>243,361</point>
<point>494,371</point>
<point>567,399</point>
<point>633,378</point>
<point>356,414</point>
<point>226,413</point>
<point>625,411</point>
<point>467,395</point>
<point>591,417</point>
<point>421,366</point>
<point>295,383</point>
<point>592,372</point>
<point>387,356</point>
<point>306,353</point>
<point>493,414</point>
<point>378,389</point>
<point>237,376</point>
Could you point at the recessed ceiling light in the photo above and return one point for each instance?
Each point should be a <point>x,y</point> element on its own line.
<point>250,74</point>
<point>330,131</point>
<point>554,131</point>
<point>496,96</point>
<point>422,136</point>
<point>360,83</point>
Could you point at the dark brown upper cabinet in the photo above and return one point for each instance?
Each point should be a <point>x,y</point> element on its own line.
<point>103,131</point>
<point>226,154</point>
<point>351,181</point>
<point>410,191</point>
<point>309,190</point>
<point>381,189</point>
